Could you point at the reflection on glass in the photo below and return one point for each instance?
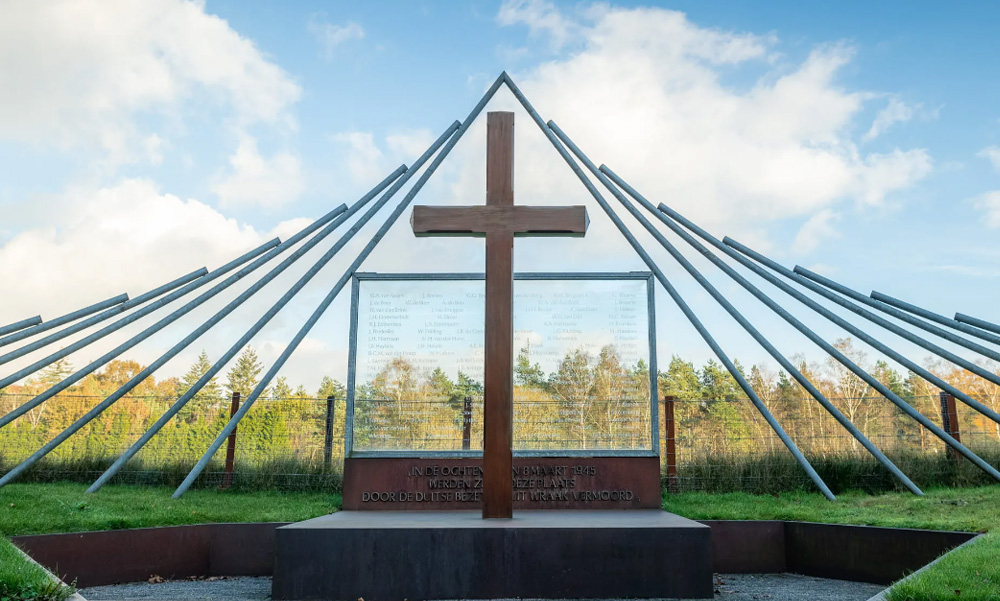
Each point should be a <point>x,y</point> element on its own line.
<point>581,370</point>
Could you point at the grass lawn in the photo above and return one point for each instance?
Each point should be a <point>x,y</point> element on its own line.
<point>973,570</point>
<point>46,508</point>
<point>971,573</point>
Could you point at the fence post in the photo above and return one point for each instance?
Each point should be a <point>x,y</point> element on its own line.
<point>328,437</point>
<point>227,476</point>
<point>669,436</point>
<point>467,424</point>
<point>949,419</point>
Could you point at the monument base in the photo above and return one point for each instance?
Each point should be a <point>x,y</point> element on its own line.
<point>417,555</point>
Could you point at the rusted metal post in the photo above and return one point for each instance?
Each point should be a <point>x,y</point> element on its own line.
<point>467,424</point>
<point>669,436</point>
<point>949,419</point>
<point>328,437</point>
<point>227,476</point>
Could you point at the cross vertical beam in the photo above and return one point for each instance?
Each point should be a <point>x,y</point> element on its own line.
<point>499,221</point>
<point>498,384</point>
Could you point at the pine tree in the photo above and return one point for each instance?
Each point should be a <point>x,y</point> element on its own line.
<point>330,387</point>
<point>210,392</point>
<point>280,390</point>
<point>242,377</point>
<point>526,374</point>
<point>55,373</point>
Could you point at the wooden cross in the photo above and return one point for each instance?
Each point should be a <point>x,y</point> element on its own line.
<point>499,221</point>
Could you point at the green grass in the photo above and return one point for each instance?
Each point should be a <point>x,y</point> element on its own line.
<point>21,579</point>
<point>974,570</point>
<point>66,507</point>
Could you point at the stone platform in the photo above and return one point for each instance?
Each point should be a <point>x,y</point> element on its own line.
<point>417,555</point>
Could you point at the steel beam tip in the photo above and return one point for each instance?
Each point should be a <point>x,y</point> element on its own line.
<point>801,270</point>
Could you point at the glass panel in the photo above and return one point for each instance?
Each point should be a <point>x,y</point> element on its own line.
<point>581,378</point>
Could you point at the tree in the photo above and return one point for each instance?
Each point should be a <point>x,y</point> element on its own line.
<point>329,387</point>
<point>441,385</point>
<point>210,392</point>
<point>242,377</point>
<point>526,374</point>
<point>680,380</point>
<point>281,389</point>
<point>55,373</point>
<point>718,384</point>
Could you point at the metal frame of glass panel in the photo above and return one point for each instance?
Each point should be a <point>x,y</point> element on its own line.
<point>588,276</point>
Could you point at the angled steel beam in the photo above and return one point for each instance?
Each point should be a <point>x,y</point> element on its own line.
<point>301,334</point>
<point>979,323</point>
<point>20,325</point>
<point>135,302</point>
<point>271,245</point>
<point>64,319</point>
<point>936,317</point>
<point>917,369</point>
<point>239,344</point>
<point>910,319</point>
<point>604,173</point>
<point>675,295</point>
<point>200,330</point>
<point>829,348</point>
<point>177,314</point>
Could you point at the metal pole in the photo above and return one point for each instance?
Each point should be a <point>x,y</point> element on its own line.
<point>328,435</point>
<point>833,352</point>
<point>675,295</point>
<point>19,325</point>
<point>721,299</point>
<point>979,323</point>
<point>668,422</point>
<point>912,366</point>
<point>135,302</point>
<point>941,319</point>
<point>227,475</point>
<point>923,342</point>
<point>222,313</point>
<point>200,466</point>
<point>79,375</point>
<point>263,320</point>
<point>467,423</point>
<point>58,321</point>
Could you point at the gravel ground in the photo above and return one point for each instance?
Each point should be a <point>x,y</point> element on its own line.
<point>729,587</point>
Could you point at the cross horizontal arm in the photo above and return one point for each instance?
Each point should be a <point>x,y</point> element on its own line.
<point>518,220</point>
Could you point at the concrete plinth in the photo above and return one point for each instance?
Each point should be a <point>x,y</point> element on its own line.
<point>396,555</point>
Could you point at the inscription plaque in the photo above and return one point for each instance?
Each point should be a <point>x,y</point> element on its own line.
<point>583,391</point>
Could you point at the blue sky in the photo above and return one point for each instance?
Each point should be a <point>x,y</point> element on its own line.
<point>139,141</point>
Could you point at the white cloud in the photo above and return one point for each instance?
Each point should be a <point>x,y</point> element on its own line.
<point>256,180</point>
<point>894,112</point>
<point>645,95</point>
<point>368,163</point>
<point>989,204</point>
<point>331,36</point>
<point>818,228</point>
<point>126,237</point>
<point>364,159</point>
<point>992,154</point>
<point>85,73</point>
<point>540,16</point>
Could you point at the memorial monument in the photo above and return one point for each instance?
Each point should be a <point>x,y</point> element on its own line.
<point>565,552</point>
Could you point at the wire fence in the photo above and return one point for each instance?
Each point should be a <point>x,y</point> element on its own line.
<point>298,443</point>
